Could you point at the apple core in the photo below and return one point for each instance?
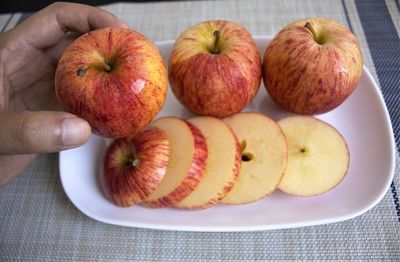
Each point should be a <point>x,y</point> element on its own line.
<point>246,156</point>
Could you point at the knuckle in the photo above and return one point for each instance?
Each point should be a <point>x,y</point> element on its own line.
<point>30,134</point>
<point>58,5</point>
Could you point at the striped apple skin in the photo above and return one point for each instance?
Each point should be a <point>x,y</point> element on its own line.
<point>215,84</point>
<point>119,102</point>
<point>134,167</point>
<point>222,167</point>
<point>193,176</point>
<point>306,77</point>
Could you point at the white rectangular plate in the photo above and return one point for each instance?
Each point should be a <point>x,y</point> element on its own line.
<point>362,119</point>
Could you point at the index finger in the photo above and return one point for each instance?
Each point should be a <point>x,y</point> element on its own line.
<point>46,27</point>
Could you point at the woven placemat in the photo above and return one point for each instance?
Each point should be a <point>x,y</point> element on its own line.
<point>39,223</point>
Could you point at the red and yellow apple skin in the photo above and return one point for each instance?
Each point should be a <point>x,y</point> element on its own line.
<point>310,72</point>
<point>114,78</point>
<point>193,176</point>
<point>222,165</point>
<point>215,76</point>
<point>134,167</point>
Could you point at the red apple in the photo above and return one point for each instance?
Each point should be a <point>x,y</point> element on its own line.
<point>311,66</point>
<point>215,68</point>
<point>114,78</point>
<point>134,167</point>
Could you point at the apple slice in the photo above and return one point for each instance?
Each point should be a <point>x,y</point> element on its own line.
<point>187,161</point>
<point>264,156</point>
<point>318,156</point>
<point>134,167</point>
<point>222,165</point>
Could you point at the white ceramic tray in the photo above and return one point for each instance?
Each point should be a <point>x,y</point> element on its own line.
<point>362,119</point>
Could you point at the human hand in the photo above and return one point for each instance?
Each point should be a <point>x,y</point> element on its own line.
<point>29,54</point>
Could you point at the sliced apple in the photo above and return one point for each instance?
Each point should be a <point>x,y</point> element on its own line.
<point>263,155</point>
<point>318,156</point>
<point>134,167</point>
<point>187,161</point>
<point>222,165</point>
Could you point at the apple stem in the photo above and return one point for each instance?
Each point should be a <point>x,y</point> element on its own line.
<point>310,27</point>
<point>217,34</point>
<point>81,71</point>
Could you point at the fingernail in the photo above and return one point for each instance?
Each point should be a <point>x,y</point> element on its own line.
<point>74,131</point>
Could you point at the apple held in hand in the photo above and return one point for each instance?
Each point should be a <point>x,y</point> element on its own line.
<point>215,68</point>
<point>134,167</point>
<point>311,66</point>
<point>114,78</point>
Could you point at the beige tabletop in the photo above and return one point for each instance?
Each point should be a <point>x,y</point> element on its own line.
<point>39,223</point>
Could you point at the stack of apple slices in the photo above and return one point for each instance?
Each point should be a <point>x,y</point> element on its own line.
<point>202,161</point>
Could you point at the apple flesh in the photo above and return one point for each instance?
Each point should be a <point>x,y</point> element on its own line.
<point>312,65</point>
<point>215,68</point>
<point>222,165</point>
<point>263,156</point>
<point>134,167</point>
<point>318,156</point>
<point>187,161</point>
<point>114,78</point>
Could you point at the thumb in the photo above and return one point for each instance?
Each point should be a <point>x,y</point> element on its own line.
<point>41,132</point>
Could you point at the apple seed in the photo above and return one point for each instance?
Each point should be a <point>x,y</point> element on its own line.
<point>247,156</point>
<point>243,145</point>
<point>304,150</point>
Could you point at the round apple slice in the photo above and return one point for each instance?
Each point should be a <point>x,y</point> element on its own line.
<point>263,153</point>
<point>318,156</point>
<point>134,167</point>
<point>188,154</point>
<point>222,165</point>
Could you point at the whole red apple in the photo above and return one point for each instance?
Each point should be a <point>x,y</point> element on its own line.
<point>312,65</point>
<point>114,78</point>
<point>215,68</point>
<point>134,167</point>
